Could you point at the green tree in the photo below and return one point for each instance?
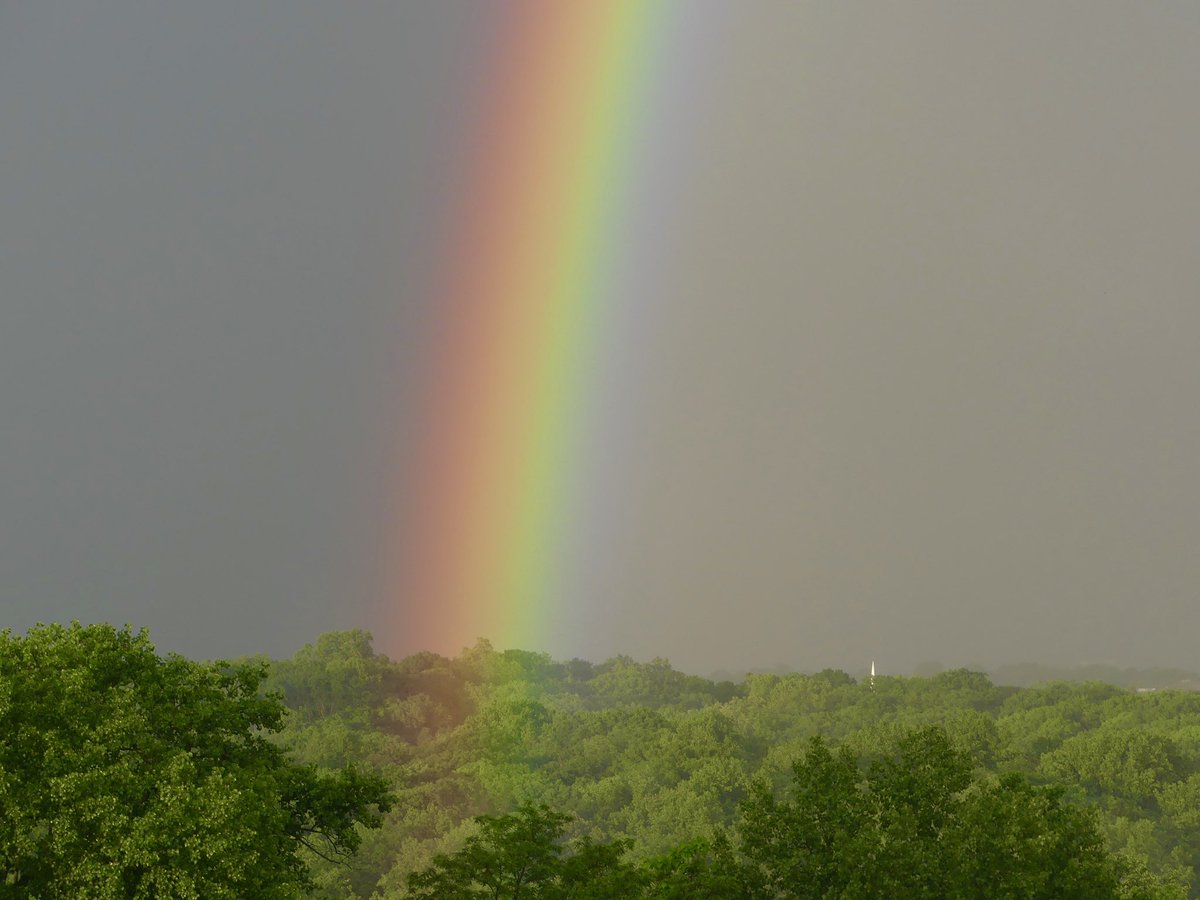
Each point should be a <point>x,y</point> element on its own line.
<point>1017,840</point>
<point>340,673</point>
<point>525,856</point>
<point>696,870</point>
<point>913,824</point>
<point>806,844</point>
<point>127,774</point>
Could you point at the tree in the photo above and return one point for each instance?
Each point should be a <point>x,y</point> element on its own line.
<point>806,845</point>
<point>914,824</point>
<point>340,673</point>
<point>524,856</point>
<point>1017,840</point>
<point>698,869</point>
<point>127,774</point>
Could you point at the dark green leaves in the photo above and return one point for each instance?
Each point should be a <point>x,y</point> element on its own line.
<point>126,774</point>
<point>525,855</point>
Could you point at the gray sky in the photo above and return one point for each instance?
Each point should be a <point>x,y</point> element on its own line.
<point>921,383</point>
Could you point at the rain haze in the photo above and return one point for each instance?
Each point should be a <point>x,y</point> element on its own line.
<point>919,380</point>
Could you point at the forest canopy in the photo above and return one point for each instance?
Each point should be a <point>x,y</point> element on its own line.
<point>342,773</point>
<point>664,763</point>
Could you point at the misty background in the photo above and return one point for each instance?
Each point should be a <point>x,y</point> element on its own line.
<point>921,382</point>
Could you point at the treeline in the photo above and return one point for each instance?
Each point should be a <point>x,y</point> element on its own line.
<point>660,769</point>
<point>1151,679</point>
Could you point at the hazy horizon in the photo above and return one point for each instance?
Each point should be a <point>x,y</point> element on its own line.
<point>918,380</point>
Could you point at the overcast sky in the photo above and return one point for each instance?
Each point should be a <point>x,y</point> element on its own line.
<point>922,383</point>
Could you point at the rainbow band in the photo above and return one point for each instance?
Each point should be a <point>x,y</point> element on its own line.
<point>528,278</point>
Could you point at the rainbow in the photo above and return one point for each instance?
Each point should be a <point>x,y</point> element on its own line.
<point>526,293</point>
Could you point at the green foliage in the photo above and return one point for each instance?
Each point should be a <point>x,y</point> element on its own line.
<point>666,784</point>
<point>339,672</point>
<point>912,824</point>
<point>525,855</point>
<point>126,774</point>
<point>698,869</point>
<point>640,753</point>
<point>1127,764</point>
